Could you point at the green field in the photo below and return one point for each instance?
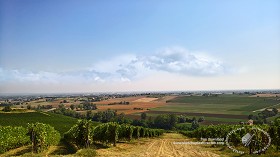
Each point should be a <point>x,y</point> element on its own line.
<point>223,104</point>
<point>59,122</point>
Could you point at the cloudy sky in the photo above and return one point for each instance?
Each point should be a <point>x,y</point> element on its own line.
<point>160,45</point>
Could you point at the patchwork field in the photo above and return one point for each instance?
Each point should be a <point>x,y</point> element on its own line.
<point>136,104</point>
<point>215,109</point>
<point>236,105</point>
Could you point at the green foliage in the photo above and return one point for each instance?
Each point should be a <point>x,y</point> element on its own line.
<point>80,133</point>
<point>42,136</point>
<point>221,131</point>
<point>126,132</point>
<point>195,125</point>
<point>165,121</point>
<point>274,132</point>
<point>12,137</point>
<point>104,116</point>
<point>143,116</point>
<point>7,109</point>
<point>136,132</point>
<point>107,133</point>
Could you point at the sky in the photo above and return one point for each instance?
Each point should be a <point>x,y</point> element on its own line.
<point>58,46</point>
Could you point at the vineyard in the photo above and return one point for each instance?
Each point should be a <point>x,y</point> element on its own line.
<point>232,134</point>
<point>84,134</point>
<point>12,137</point>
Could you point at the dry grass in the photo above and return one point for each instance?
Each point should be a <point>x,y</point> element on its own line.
<point>157,147</point>
<point>135,102</point>
<point>145,99</point>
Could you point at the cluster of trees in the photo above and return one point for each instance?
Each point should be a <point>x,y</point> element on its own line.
<point>7,109</point>
<point>261,118</point>
<point>39,107</point>
<point>167,121</point>
<point>84,106</point>
<point>119,103</point>
<point>67,112</point>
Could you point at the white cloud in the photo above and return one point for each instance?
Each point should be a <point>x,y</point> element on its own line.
<point>126,68</point>
<point>181,61</point>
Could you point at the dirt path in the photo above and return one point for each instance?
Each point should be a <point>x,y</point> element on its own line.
<point>158,147</point>
<point>266,108</point>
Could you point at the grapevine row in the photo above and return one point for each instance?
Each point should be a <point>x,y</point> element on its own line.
<point>222,131</point>
<point>40,135</point>
<point>84,133</point>
<point>12,137</point>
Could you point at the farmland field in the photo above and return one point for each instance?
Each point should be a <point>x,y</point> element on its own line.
<point>135,102</point>
<point>59,122</point>
<point>236,105</point>
<point>216,109</point>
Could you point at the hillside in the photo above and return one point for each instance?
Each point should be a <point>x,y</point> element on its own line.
<point>60,122</point>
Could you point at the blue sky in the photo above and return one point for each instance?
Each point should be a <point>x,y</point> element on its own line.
<point>104,46</point>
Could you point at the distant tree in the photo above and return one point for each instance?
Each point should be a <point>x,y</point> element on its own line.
<point>89,114</point>
<point>201,119</point>
<point>193,119</point>
<point>72,107</point>
<point>195,125</point>
<point>89,106</point>
<point>7,109</point>
<point>165,121</point>
<point>29,107</point>
<point>137,122</point>
<point>172,120</point>
<point>275,111</point>
<point>143,116</point>
<point>61,106</point>
<point>181,119</point>
<point>250,116</point>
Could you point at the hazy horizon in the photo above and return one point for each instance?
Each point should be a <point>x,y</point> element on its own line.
<point>101,46</point>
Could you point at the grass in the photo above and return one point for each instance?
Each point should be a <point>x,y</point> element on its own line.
<point>233,104</point>
<point>60,122</point>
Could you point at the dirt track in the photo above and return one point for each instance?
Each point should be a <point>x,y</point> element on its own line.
<point>158,147</point>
